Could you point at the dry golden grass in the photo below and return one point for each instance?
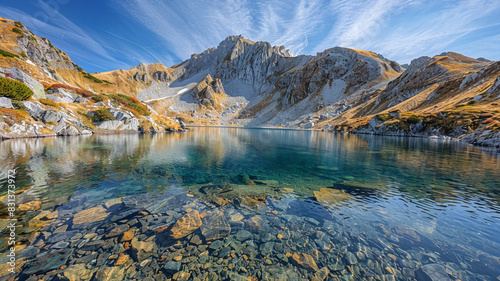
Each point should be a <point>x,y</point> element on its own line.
<point>365,53</point>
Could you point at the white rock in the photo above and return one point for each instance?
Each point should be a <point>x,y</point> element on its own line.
<point>6,103</point>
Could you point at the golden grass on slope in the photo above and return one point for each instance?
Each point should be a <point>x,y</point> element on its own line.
<point>365,53</point>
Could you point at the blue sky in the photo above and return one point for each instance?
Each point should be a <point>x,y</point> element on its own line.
<point>113,34</point>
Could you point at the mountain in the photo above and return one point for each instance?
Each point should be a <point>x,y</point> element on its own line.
<point>263,85</point>
<point>255,84</point>
<point>446,95</point>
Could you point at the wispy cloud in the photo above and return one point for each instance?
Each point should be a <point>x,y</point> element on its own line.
<point>170,31</point>
<point>437,30</point>
<point>188,27</point>
<point>69,36</point>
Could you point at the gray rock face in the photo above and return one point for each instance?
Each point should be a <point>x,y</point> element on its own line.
<point>121,115</point>
<point>43,53</point>
<point>109,125</point>
<point>6,103</point>
<point>69,131</point>
<point>32,83</point>
<point>34,110</point>
<point>129,125</point>
<point>51,116</point>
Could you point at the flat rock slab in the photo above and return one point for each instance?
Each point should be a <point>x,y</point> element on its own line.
<point>44,263</point>
<point>432,272</point>
<point>91,215</point>
<point>186,225</point>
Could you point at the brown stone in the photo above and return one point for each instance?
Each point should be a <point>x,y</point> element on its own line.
<point>329,196</point>
<point>90,215</point>
<point>186,225</point>
<point>142,249</point>
<point>110,273</point>
<point>122,259</point>
<point>220,201</point>
<point>127,235</point>
<point>33,205</point>
<point>321,274</point>
<point>182,276</point>
<point>305,261</point>
<point>160,229</point>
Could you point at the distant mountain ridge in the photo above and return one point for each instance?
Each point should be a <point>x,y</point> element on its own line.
<point>246,83</point>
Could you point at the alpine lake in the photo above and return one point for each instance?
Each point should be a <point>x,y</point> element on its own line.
<point>250,204</point>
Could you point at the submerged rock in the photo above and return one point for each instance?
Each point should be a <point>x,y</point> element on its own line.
<point>91,215</point>
<point>215,226</point>
<point>216,188</point>
<point>329,196</point>
<point>186,225</point>
<point>432,272</point>
<point>141,250</point>
<point>305,261</point>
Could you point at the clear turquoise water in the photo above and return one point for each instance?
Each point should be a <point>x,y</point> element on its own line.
<point>419,200</point>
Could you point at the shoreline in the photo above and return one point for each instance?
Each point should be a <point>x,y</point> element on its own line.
<point>119,132</point>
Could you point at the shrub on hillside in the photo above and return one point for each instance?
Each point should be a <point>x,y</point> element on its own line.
<point>93,78</point>
<point>131,103</point>
<point>79,91</point>
<point>17,30</point>
<point>414,119</point>
<point>8,54</point>
<point>14,89</point>
<point>18,24</point>
<point>383,117</point>
<point>103,114</point>
<point>99,98</point>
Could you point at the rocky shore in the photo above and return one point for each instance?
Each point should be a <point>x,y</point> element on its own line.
<point>176,235</point>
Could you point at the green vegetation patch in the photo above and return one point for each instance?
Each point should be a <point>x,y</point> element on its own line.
<point>414,119</point>
<point>18,24</point>
<point>8,54</point>
<point>93,78</point>
<point>14,89</point>
<point>103,114</point>
<point>18,105</point>
<point>17,30</point>
<point>384,117</point>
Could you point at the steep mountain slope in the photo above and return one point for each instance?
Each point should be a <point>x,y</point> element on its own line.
<point>65,99</point>
<point>449,94</point>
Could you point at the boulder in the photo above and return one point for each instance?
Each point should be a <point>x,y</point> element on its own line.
<point>131,125</point>
<point>109,125</point>
<point>6,103</point>
<point>34,110</point>
<point>81,100</point>
<point>32,83</point>
<point>309,125</point>
<point>69,131</point>
<point>120,115</point>
<point>186,225</point>
<point>51,116</point>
